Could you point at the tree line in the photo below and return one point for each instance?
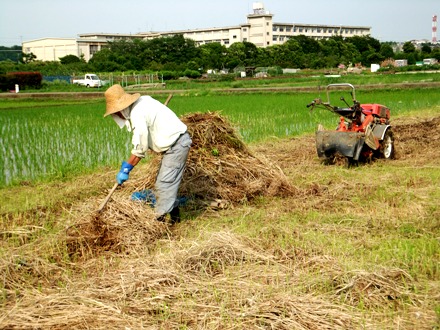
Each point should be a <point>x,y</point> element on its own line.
<point>181,56</point>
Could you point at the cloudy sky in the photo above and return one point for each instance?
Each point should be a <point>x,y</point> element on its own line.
<point>24,20</point>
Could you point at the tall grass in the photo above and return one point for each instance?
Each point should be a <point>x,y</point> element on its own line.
<point>47,139</point>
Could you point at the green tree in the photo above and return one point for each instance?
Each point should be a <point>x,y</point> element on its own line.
<point>236,55</point>
<point>307,45</point>
<point>105,61</point>
<point>408,47</point>
<point>278,55</point>
<point>213,56</point>
<point>367,47</point>
<point>242,53</point>
<point>386,50</point>
<point>436,53</point>
<point>28,57</point>
<point>69,59</point>
<point>426,49</point>
<point>292,53</point>
<point>336,50</point>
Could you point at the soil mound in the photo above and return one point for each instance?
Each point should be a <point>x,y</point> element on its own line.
<point>417,137</point>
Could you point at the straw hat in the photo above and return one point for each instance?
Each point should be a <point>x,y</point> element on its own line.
<point>117,99</point>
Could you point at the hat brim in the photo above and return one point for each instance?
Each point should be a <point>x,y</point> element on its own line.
<point>120,104</point>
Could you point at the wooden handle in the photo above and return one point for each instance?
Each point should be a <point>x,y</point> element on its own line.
<point>168,99</point>
<point>108,197</point>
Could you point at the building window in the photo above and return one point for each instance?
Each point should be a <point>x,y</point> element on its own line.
<point>288,29</point>
<point>300,30</point>
<point>244,29</point>
<point>93,49</point>
<point>267,33</point>
<point>234,37</point>
<point>244,39</point>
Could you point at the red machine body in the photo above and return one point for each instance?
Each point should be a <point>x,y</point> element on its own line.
<point>363,131</point>
<point>376,110</point>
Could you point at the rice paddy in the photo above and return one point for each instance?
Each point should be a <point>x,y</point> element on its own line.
<point>59,138</point>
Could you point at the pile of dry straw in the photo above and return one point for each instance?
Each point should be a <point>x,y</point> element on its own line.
<point>221,171</point>
<point>220,167</point>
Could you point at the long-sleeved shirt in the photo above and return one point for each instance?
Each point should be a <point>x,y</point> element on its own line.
<point>154,126</point>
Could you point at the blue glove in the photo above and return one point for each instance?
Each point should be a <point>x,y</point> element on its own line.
<point>146,195</point>
<point>122,175</point>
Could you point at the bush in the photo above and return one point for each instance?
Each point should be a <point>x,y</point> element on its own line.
<point>226,77</point>
<point>169,75</point>
<point>275,71</point>
<point>6,83</point>
<point>192,74</point>
<point>26,79</point>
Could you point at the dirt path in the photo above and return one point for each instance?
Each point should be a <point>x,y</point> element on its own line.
<point>100,93</point>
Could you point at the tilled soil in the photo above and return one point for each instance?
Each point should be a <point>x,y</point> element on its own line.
<point>415,140</point>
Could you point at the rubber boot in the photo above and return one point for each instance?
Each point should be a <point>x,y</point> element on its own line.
<point>175,215</point>
<point>161,218</point>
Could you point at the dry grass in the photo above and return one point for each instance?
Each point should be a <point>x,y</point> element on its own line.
<point>221,167</point>
<point>123,226</point>
<point>314,255</point>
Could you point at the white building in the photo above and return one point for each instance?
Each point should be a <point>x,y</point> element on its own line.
<point>51,49</point>
<point>259,30</point>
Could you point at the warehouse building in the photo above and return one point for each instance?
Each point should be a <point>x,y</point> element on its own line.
<point>260,29</point>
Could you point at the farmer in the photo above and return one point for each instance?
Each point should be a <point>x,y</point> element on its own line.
<point>154,126</point>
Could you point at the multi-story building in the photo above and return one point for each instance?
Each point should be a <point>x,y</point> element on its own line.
<point>260,29</point>
<point>263,32</point>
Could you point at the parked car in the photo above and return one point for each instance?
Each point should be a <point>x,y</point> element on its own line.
<point>90,80</point>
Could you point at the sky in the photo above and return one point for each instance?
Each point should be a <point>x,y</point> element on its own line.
<point>25,20</point>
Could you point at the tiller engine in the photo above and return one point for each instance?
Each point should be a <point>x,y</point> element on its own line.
<point>363,132</point>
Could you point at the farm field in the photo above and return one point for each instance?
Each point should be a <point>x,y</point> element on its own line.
<point>81,141</point>
<point>346,248</point>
